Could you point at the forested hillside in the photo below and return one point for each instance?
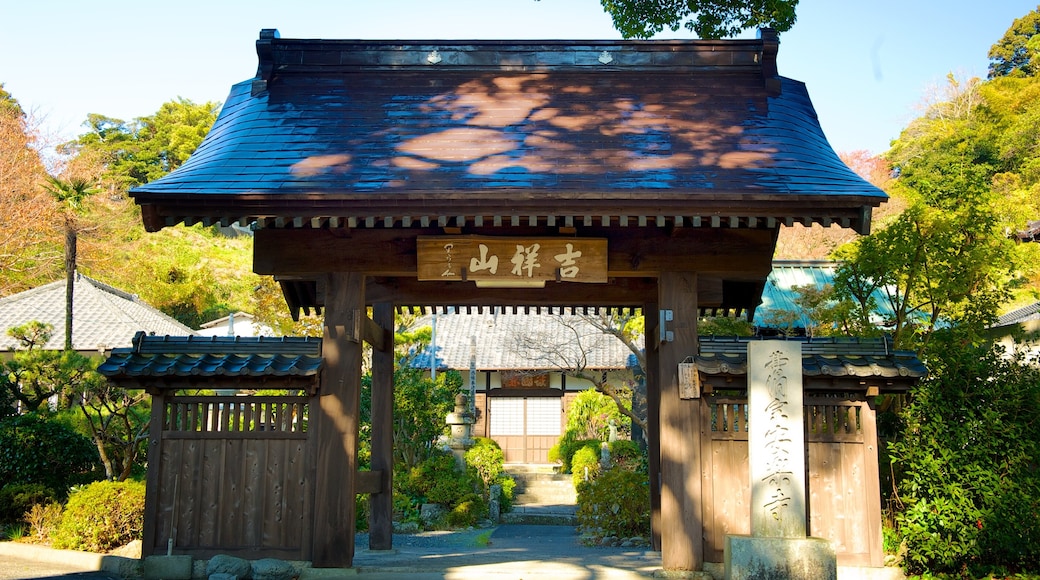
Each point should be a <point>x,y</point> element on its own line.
<point>194,273</point>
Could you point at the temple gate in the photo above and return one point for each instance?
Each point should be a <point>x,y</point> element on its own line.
<point>531,174</point>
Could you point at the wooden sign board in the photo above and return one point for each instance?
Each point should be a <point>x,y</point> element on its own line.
<point>508,261</point>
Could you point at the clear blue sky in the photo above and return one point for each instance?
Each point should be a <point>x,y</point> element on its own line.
<point>868,64</point>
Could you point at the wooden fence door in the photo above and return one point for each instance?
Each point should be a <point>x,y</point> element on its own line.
<point>231,475</point>
<point>844,499</point>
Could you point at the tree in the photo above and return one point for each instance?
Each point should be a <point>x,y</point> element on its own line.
<point>146,148</point>
<point>117,421</point>
<point>25,245</point>
<point>1016,52</point>
<point>70,195</point>
<point>32,375</point>
<point>705,18</point>
<point>946,259</point>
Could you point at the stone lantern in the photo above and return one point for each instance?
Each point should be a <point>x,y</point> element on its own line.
<point>461,422</point>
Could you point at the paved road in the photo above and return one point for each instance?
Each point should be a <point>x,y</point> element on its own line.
<point>13,568</point>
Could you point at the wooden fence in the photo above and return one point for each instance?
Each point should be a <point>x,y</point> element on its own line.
<point>844,503</point>
<point>233,476</point>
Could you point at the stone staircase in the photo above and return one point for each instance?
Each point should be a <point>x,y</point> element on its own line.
<point>542,496</point>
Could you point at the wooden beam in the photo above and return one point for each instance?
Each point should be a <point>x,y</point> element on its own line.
<point>336,423</point>
<point>682,520</point>
<point>368,481</point>
<point>381,339</point>
<point>381,503</point>
<point>653,422</point>
<point>408,291</point>
<point>637,252</point>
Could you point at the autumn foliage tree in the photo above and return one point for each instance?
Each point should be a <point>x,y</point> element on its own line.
<point>28,245</point>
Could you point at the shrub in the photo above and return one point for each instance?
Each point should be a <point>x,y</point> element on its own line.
<point>16,499</point>
<point>617,503</point>
<point>437,480</point>
<point>35,449</point>
<point>102,516</point>
<point>967,473</point>
<point>564,450</point>
<point>44,519</point>
<point>487,461</point>
<point>467,511</point>
<point>590,414</point>
<point>627,455</point>
<point>585,463</point>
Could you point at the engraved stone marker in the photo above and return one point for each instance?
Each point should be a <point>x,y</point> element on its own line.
<point>776,449</point>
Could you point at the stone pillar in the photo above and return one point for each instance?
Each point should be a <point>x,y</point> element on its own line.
<point>777,547</point>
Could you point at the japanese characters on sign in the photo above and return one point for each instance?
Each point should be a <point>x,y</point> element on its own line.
<point>481,258</point>
<point>776,442</point>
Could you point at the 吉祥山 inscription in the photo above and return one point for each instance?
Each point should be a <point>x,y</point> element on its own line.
<point>505,260</point>
<point>776,445</point>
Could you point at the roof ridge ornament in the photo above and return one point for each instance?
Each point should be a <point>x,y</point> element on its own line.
<point>265,59</point>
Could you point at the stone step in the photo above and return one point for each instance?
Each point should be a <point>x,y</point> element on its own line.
<point>541,487</point>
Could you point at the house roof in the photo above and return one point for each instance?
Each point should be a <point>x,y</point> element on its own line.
<point>1019,315</point>
<point>212,359</point>
<point>103,317</point>
<point>345,133</point>
<point>501,340</point>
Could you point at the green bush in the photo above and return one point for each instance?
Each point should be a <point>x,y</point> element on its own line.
<point>585,459</point>
<point>467,511</point>
<point>628,455</point>
<point>617,503</point>
<point>102,516</point>
<point>36,449</point>
<point>564,450</point>
<point>487,461</point>
<point>438,480</point>
<point>16,499</point>
<point>966,462</point>
<point>590,414</point>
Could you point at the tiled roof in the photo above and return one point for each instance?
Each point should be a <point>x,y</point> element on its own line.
<point>779,295</point>
<point>506,341</point>
<point>392,132</point>
<point>195,356</point>
<point>1020,315</point>
<point>103,317</point>
<point>830,357</point>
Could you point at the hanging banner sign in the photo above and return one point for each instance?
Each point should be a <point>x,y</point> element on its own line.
<point>512,260</point>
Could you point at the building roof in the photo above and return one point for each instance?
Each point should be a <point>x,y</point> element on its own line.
<point>507,341</point>
<point>334,133</point>
<point>103,317</point>
<point>830,357</point>
<point>1019,315</point>
<point>779,295</point>
<point>212,359</point>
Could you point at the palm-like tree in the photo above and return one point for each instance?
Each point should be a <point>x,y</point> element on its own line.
<point>70,195</point>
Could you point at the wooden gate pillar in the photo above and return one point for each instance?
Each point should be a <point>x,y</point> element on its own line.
<point>682,525</point>
<point>381,505</point>
<point>652,376</point>
<point>336,422</point>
